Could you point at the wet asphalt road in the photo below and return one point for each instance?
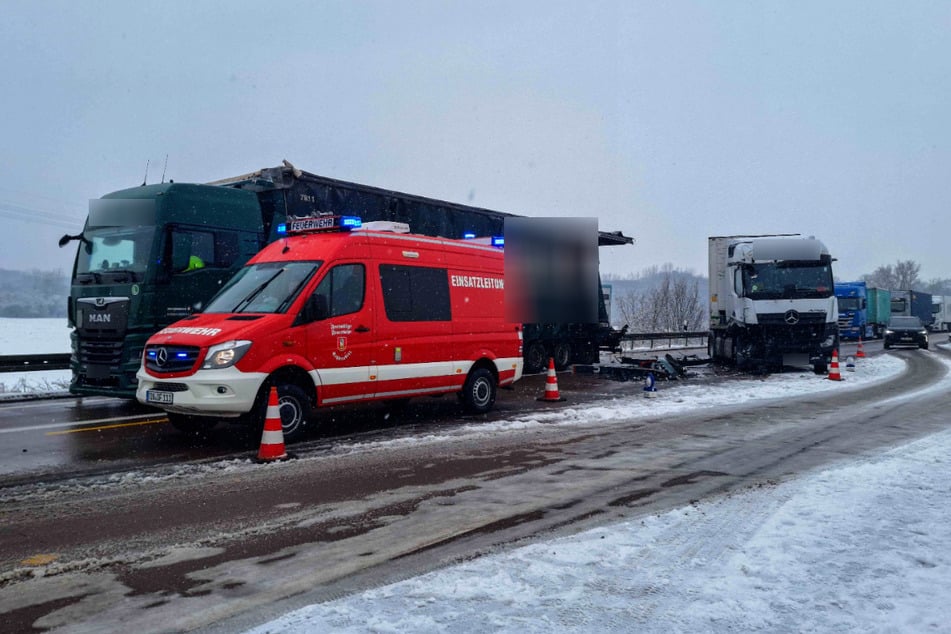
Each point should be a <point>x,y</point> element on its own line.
<point>226,544</point>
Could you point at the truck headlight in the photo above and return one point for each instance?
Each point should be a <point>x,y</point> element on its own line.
<point>225,355</point>
<point>889,332</point>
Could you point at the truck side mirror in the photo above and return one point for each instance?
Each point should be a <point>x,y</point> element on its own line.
<point>315,309</point>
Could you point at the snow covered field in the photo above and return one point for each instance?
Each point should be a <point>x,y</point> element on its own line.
<point>858,548</point>
<point>33,336</point>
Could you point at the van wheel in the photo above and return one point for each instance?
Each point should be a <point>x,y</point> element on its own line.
<point>820,368</point>
<point>293,404</point>
<point>191,425</point>
<point>478,393</point>
<point>561,353</point>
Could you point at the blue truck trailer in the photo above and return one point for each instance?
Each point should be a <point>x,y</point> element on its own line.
<point>863,311</point>
<point>913,303</point>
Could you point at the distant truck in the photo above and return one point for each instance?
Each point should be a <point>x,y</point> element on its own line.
<point>772,302</point>
<point>941,308</point>
<point>153,254</point>
<point>914,304</point>
<point>863,311</point>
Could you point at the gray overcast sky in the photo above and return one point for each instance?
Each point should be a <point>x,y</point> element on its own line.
<point>670,121</point>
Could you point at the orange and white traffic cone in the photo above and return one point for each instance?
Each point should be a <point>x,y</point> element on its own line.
<point>834,367</point>
<point>551,385</point>
<point>272,440</point>
<point>860,353</point>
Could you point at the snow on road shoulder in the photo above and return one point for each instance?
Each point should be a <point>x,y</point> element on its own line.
<point>671,398</point>
<point>863,547</point>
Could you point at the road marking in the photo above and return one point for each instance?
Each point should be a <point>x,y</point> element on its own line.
<point>74,423</point>
<point>101,427</point>
<point>87,400</point>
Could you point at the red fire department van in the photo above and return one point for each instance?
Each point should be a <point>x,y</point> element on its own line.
<point>337,313</point>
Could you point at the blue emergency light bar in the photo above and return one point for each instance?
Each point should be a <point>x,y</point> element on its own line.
<point>312,224</point>
<point>495,241</point>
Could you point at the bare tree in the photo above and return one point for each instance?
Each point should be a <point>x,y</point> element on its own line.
<point>938,286</point>
<point>882,277</point>
<point>907,273</point>
<point>902,276</point>
<point>671,305</point>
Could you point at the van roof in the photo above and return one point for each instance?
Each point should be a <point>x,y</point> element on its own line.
<point>327,245</point>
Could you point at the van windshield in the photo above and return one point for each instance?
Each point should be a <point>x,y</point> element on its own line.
<point>266,287</point>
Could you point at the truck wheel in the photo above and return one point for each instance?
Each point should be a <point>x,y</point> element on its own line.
<point>820,368</point>
<point>535,358</point>
<point>478,393</point>
<point>561,353</point>
<point>191,425</point>
<point>293,404</point>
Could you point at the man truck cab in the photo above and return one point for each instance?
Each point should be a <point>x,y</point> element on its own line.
<point>339,313</point>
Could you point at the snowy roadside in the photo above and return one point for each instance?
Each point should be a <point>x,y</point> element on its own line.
<point>33,336</point>
<point>862,547</point>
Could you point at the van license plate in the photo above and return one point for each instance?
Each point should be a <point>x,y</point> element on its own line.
<point>155,396</point>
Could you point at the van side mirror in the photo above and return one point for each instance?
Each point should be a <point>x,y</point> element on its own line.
<point>315,309</point>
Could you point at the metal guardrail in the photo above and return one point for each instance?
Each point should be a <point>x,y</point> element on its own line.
<point>687,339</point>
<point>34,362</point>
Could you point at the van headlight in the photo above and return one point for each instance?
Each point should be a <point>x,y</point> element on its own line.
<point>225,355</point>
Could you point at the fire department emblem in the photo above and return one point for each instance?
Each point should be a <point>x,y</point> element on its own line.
<point>341,353</point>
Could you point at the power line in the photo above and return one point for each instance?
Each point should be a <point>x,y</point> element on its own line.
<point>19,212</point>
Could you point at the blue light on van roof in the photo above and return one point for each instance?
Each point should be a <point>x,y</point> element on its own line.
<point>282,228</point>
<point>468,236</point>
<point>350,222</point>
<point>498,241</point>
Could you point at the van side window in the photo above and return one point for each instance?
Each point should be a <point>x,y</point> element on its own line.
<point>415,293</point>
<point>344,288</point>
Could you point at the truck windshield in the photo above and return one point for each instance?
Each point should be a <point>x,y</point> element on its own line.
<point>787,280</point>
<point>109,253</point>
<point>267,287</point>
<point>849,303</point>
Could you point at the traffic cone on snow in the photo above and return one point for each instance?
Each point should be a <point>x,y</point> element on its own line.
<point>649,390</point>
<point>272,440</point>
<point>860,353</point>
<point>834,367</point>
<point>551,385</point>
